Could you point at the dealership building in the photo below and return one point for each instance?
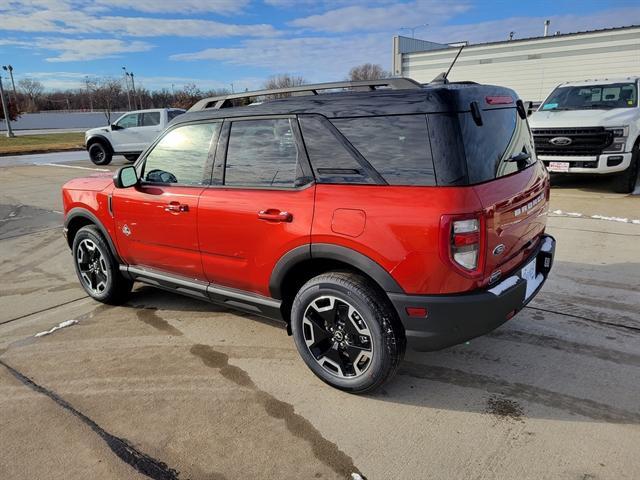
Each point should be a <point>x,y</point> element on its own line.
<point>530,66</point>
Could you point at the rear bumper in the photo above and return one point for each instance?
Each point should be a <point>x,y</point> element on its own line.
<point>600,164</point>
<point>453,319</point>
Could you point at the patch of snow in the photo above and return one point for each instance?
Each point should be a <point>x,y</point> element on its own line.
<point>547,244</point>
<point>356,476</point>
<point>504,285</point>
<point>613,219</point>
<point>64,324</point>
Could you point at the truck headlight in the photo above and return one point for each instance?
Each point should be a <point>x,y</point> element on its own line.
<point>619,142</point>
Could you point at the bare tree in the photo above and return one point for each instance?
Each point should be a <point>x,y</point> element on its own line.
<point>107,94</point>
<point>32,89</point>
<point>368,71</point>
<point>283,80</point>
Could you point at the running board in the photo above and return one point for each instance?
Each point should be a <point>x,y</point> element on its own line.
<point>229,297</point>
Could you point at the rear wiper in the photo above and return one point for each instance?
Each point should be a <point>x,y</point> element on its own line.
<point>519,157</point>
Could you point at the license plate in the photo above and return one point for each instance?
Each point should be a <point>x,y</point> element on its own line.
<point>528,272</point>
<point>558,167</point>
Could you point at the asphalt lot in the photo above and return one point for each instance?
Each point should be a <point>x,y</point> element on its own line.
<point>184,389</point>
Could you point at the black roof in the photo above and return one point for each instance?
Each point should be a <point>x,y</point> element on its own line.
<point>432,98</point>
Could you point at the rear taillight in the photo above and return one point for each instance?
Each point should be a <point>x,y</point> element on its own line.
<point>465,243</point>
<point>462,243</point>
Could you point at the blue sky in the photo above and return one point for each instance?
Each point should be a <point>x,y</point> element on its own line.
<point>214,43</point>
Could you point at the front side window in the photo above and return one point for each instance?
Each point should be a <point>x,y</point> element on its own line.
<point>183,155</point>
<point>599,97</point>
<point>150,119</point>
<point>262,153</point>
<point>396,146</point>
<point>128,121</point>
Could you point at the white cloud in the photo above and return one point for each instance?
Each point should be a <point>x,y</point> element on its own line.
<point>73,50</point>
<point>387,17</point>
<point>316,58</point>
<point>178,6</point>
<point>63,17</point>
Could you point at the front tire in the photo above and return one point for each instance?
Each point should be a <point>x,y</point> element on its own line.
<point>132,158</point>
<point>97,269</point>
<point>625,182</point>
<point>100,154</point>
<point>347,332</point>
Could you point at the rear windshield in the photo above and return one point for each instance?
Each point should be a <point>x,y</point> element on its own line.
<point>600,97</point>
<point>501,146</point>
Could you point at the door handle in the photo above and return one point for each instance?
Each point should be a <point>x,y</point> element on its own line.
<point>176,207</point>
<point>273,215</point>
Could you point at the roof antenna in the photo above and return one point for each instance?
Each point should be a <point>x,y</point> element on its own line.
<point>442,78</point>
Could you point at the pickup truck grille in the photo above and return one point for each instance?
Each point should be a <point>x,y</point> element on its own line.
<point>589,141</point>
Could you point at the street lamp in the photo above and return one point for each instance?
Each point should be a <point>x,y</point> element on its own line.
<point>9,68</point>
<point>126,85</point>
<point>133,89</point>
<point>413,29</point>
<point>5,109</point>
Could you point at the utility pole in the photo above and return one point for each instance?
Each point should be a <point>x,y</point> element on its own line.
<point>126,85</point>
<point>9,68</point>
<point>6,111</point>
<point>133,89</point>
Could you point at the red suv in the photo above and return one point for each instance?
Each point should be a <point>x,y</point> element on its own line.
<point>364,219</point>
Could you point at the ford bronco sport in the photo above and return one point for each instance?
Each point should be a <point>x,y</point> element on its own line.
<point>364,219</point>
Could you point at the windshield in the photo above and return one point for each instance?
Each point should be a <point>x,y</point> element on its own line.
<point>603,97</point>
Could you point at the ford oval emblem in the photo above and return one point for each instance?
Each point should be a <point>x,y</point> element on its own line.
<point>561,141</point>
<point>498,250</point>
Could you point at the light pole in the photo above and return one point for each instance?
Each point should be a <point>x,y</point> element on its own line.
<point>5,109</point>
<point>413,29</point>
<point>231,88</point>
<point>126,85</point>
<point>133,90</point>
<point>9,68</point>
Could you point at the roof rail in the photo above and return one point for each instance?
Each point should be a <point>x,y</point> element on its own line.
<point>224,101</point>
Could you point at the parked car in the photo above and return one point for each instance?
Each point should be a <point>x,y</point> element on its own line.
<point>362,219</point>
<point>591,127</point>
<point>129,135</point>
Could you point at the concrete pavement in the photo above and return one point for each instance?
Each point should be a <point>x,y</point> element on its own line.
<point>185,389</point>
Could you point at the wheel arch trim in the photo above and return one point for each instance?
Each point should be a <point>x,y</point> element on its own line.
<point>328,251</point>
<point>99,138</point>
<point>78,212</point>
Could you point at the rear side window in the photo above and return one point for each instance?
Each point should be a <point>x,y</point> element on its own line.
<point>171,114</point>
<point>331,159</point>
<point>491,148</point>
<point>150,119</point>
<point>396,146</point>
<point>262,153</point>
<point>183,155</point>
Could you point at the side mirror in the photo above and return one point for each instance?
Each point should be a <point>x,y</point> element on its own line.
<point>115,126</point>
<point>125,177</point>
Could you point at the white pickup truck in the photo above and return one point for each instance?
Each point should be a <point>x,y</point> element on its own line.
<point>129,135</point>
<point>591,127</point>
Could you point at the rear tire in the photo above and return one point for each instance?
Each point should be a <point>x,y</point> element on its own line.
<point>97,268</point>
<point>347,332</point>
<point>625,182</point>
<point>100,154</point>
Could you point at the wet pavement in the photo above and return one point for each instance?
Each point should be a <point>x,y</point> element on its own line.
<point>168,387</point>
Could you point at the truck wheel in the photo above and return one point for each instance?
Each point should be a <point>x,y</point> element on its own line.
<point>625,182</point>
<point>97,269</point>
<point>347,332</point>
<point>100,154</point>
<point>132,158</point>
